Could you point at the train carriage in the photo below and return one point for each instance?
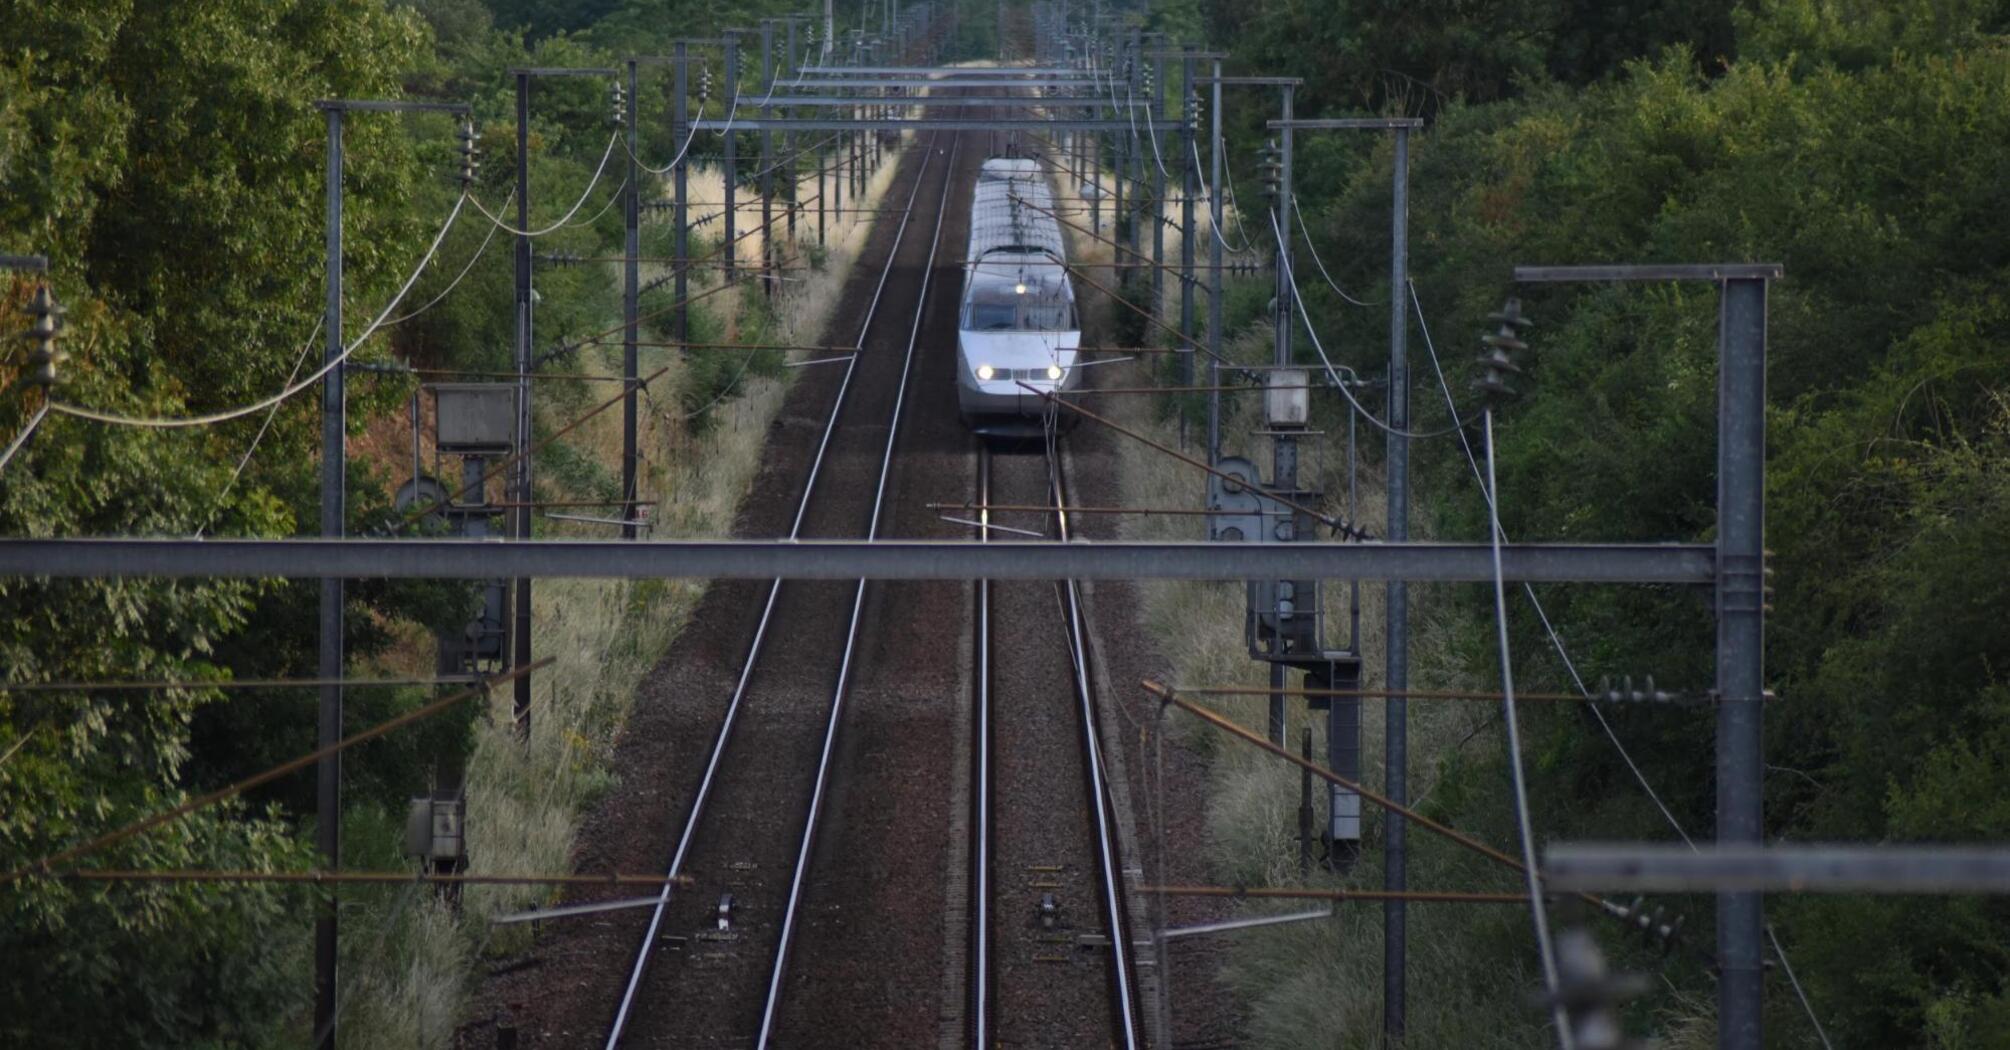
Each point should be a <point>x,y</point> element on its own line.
<point>1017,330</point>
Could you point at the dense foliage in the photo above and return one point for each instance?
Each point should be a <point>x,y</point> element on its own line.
<point>169,161</point>
<point>167,158</point>
<point>1858,143</point>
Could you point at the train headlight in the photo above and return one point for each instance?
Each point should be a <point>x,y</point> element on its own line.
<point>985,372</point>
<point>1020,288</point>
<point>1054,373</point>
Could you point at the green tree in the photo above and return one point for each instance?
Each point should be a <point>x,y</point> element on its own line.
<point>166,158</point>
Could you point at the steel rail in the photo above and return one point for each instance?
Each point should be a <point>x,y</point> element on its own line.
<point>720,742</point>
<point>1106,847</point>
<point>822,783</point>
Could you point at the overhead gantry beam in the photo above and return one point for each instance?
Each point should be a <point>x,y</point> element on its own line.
<point>890,82</point>
<point>853,559</point>
<point>941,124</point>
<point>948,71</point>
<point>1797,868</point>
<point>784,101</point>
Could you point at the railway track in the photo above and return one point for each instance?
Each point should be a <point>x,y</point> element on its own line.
<point>824,898</point>
<point>722,986</point>
<point>1050,960</point>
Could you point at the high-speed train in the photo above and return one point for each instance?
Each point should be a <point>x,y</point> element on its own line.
<point>1017,323</point>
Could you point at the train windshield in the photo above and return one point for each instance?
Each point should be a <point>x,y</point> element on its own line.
<point>993,317</point>
<point>1047,317</point>
<point>1030,301</point>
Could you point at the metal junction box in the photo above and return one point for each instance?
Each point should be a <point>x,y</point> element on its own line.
<point>434,828</point>
<point>1235,507</point>
<point>475,418</point>
<point>1287,399</point>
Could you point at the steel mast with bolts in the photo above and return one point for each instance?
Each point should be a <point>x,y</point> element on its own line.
<point>334,464</point>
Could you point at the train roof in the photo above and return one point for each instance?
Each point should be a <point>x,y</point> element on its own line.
<point>1021,226</point>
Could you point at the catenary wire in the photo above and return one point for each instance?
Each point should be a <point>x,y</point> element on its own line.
<point>565,219</point>
<point>21,439</point>
<point>1157,158</point>
<point>1555,639</point>
<point>1207,193</point>
<point>1570,666</point>
<point>1333,371</point>
<point>1314,249</point>
<point>172,422</point>
<point>49,863</point>
<point>1538,910</point>
<point>612,198</point>
<point>458,278</point>
<point>264,427</point>
<point>732,115</point>
<point>1235,205</point>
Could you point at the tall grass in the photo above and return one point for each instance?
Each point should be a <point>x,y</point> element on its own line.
<point>410,962</point>
<point>1320,983</point>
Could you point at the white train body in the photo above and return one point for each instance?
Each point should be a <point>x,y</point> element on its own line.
<point>1017,327</point>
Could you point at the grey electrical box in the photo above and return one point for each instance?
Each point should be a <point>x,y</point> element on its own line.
<point>434,828</point>
<point>1235,508</point>
<point>1287,399</point>
<point>475,418</point>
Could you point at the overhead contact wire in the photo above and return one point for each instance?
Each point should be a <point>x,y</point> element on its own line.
<point>208,419</point>
<point>1570,666</point>
<point>563,220</point>
<point>1538,909</point>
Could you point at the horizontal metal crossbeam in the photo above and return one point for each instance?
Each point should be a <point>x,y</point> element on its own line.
<point>1657,868</point>
<point>372,105</point>
<point>853,559</point>
<point>870,82</point>
<point>1252,81</point>
<point>939,124</point>
<point>563,71</point>
<point>1651,272</point>
<point>1348,124</point>
<point>949,71</point>
<point>939,100</point>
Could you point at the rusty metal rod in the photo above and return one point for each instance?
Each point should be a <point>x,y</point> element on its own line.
<point>129,685</point>
<point>996,267</point>
<point>345,877</point>
<point>1401,694</point>
<point>460,373</point>
<point>1088,391</point>
<point>1043,508</point>
<point>1170,696</point>
<point>1309,893</point>
<point>692,263</point>
<point>64,856</point>
<point>786,347</point>
<point>1444,694</point>
<point>1197,346</point>
<point>481,483</point>
<point>1337,524</point>
<point>580,503</point>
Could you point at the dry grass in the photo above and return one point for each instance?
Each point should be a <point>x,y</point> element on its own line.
<point>1319,984</point>
<point>410,988</point>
